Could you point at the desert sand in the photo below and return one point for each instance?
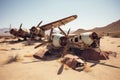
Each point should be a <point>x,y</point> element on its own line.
<point>28,68</point>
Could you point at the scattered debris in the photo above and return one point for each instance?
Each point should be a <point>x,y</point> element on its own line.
<point>40,54</point>
<point>75,63</point>
<point>73,49</point>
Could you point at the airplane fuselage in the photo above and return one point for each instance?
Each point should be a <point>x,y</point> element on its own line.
<point>84,39</point>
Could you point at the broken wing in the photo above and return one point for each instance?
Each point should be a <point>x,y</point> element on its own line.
<point>58,22</point>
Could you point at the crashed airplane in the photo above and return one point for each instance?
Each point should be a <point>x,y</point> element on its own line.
<point>19,33</point>
<point>82,47</point>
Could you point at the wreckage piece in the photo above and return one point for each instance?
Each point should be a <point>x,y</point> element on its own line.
<point>89,37</point>
<point>86,39</point>
<point>23,33</point>
<point>14,31</point>
<point>58,22</point>
<point>75,63</point>
<point>47,52</point>
<point>41,53</point>
<point>20,33</point>
<point>92,54</point>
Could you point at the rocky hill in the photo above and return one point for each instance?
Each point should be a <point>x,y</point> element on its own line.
<point>111,28</point>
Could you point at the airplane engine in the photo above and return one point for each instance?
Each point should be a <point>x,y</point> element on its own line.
<point>13,32</point>
<point>59,40</point>
<point>90,39</point>
<point>36,31</point>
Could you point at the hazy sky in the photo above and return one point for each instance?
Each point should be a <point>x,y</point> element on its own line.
<point>91,13</point>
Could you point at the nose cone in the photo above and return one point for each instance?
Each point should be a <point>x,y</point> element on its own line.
<point>63,41</point>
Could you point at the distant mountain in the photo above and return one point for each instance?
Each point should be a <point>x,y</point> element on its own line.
<point>111,28</point>
<point>80,31</point>
<point>3,30</point>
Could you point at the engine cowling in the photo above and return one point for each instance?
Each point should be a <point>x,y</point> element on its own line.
<point>87,39</point>
<point>59,40</point>
<point>90,38</point>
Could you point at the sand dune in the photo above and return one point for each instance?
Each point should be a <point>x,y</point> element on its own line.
<point>24,67</point>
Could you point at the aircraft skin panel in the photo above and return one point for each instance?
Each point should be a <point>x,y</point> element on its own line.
<point>86,38</point>
<point>58,23</point>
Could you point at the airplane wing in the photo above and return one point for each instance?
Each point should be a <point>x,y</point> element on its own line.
<point>58,22</point>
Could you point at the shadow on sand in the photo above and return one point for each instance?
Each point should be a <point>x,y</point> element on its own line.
<point>104,64</point>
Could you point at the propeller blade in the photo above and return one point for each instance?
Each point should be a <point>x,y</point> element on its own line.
<point>20,25</point>
<point>68,32</point>
<point>60,69</point>
<point>10,27</point>
<point>65,50</point>
<point>66,35</point>
<point>41,44</point>
<point>62,31</point>
<point>51,32</point>
<point>39,24</point>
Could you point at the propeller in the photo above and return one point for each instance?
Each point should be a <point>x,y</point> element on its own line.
<point>39,24</point>
<point>64,51</point>
<point>33,30</point>
<point>42,44</point>
<point>67,41</point>
<point>49,41</point>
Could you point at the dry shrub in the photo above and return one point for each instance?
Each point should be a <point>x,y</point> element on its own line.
<point>11,58</point>
<point>6,59</point>
<point>19,57</point>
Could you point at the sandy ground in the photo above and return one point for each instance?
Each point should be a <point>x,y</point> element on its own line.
<point>28,68</point>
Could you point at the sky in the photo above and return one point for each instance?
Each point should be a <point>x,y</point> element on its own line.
<point>91,13</point>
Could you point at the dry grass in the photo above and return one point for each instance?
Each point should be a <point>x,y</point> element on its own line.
<point>12,58</point>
